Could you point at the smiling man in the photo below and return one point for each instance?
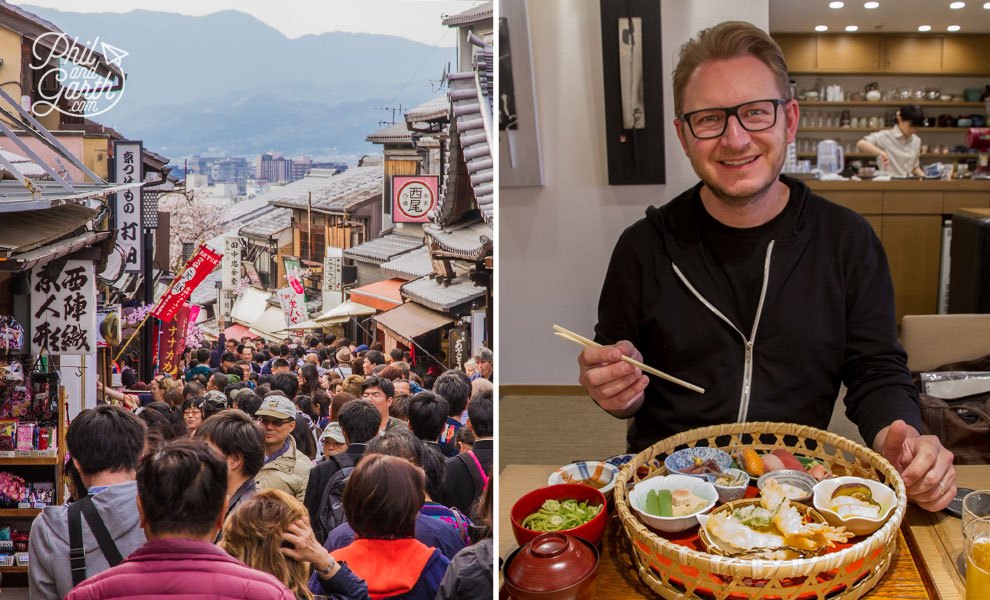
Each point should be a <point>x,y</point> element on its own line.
<point>752,287</point>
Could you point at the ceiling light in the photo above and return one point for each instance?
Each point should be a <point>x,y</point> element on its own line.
<point>871,5</point>
<point>956,5</point>
<point>836,4</point>
<point>852,28</point>
<point>924,27</point>
<point>821,27</point>
<point>986,5</point>
<point>953,28</point>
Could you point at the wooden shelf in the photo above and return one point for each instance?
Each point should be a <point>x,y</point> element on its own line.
<point>14,569</point>
<point>27,513</point>
<point>863,155</point>
<point>893,103</point>
<point>29,460</point>
<point>871,129</point>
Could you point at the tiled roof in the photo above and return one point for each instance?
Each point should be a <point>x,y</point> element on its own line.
<point>268,224</point>
<point>399,132</point>
<point>409,265</point>
<point>471,15</point>
<point>436,108</point>
<point>431,294</point>
<point>25,166</point>
<point>206,292</point>
<point>384,248</point>
<point>338,193</point>
<point>472,241</point>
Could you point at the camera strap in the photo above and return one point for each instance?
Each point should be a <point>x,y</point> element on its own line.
<point>77,551</point>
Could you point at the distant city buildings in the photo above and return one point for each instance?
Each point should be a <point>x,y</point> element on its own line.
<point>273,168</point>
<point>237,177</point>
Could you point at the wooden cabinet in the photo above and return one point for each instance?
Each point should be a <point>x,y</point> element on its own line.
<point>848,53</point>
<point>968,54</point>
<point>912,54</point>
<point>907,217</point>
<point>880,54</point>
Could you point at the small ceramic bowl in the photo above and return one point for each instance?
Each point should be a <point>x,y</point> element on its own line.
<point>531,502</point>
<point>677,462</point>
<point>798,479</point>
<point>735,490</point>
<point>882,494</point>
<point>637,499</point>
<point>597,474</point>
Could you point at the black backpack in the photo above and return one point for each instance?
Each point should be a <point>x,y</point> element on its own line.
<point>331,511</point>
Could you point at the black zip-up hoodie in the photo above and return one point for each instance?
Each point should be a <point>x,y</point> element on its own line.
<point>826,317</point>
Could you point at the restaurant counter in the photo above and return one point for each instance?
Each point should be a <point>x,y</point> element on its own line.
<point>907,216</point>
<point>924,567</point>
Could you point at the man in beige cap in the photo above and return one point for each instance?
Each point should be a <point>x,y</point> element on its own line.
<point>285,468</point>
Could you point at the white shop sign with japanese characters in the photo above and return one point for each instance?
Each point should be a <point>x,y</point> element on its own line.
<point>127,157</point>
<point>293,301</point>
<point>63,309</point>
<point>231,262</point>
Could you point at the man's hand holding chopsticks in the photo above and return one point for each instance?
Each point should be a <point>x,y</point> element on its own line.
<point>614,384</point>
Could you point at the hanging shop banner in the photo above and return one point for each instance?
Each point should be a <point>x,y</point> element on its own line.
<point>413,197</point>
<point>333,285</point>
<point>171,341</point>
<point>108,326</point>
<point>460,348</point>
<point>293,302</point>
<point>63,308</point>
<point>12,336</point>
<point>231,262</point>
<point>199,266</point>
<point>127,208</point>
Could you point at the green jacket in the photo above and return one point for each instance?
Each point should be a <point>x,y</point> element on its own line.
<point>289,472</point>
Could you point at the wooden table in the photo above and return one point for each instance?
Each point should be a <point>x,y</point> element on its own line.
<point>617,576</point>
<point>937,537</point>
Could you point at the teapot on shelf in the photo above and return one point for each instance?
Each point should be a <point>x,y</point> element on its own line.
<point>873,91</point>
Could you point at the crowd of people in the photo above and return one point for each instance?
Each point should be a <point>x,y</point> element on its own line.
<point>305,470</point>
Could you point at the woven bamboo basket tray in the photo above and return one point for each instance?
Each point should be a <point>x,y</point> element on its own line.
<point>676,571</point>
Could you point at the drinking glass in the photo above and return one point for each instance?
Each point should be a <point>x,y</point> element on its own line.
<point>976,544</point>
<point>975,505</point>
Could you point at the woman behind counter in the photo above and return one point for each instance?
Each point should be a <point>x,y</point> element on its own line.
<point>898,149</point>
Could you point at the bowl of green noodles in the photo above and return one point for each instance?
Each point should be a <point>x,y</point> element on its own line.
<point>570,508</point>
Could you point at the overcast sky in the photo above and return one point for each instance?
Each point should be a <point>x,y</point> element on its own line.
<point>417,20</point>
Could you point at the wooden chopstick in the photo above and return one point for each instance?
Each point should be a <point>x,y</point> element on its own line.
<point>583,341</point>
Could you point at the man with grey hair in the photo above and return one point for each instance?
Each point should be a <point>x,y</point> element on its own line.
<point>483,361</point>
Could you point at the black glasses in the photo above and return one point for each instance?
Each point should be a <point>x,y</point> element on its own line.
<point>710,123</point>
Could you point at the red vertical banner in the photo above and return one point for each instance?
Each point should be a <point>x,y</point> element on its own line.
<point>171,342</point>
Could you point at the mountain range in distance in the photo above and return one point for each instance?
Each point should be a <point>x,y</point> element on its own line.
<point>228,84</point>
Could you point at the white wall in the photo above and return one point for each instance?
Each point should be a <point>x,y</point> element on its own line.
<point>554,242</point>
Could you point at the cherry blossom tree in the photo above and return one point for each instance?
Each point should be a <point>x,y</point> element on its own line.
<point>192,221</point>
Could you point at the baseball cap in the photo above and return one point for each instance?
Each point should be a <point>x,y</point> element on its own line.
<point>333,432</point>
<point>279,407</point>
<point>361,348</point>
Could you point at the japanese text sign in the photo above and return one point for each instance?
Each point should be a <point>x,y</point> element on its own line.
<point>231,262</point>
<point>127,208</point>
<point>293,301</point>
<point>171,341</point>
<point>63,308</point>
<point>333,265</point>
<point>199,266</point>
<point>413,198</point>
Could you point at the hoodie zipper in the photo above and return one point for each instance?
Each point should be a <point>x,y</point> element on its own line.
<point>748,343</point>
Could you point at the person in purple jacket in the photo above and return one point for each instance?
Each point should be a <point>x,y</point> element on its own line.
<point>182,499</point>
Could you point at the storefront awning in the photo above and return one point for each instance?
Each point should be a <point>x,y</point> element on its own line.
<point>381,295</point>
<point>269,324</point>
<point>236,332</point>
<point>412,320</point>
<point>339,314</point>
